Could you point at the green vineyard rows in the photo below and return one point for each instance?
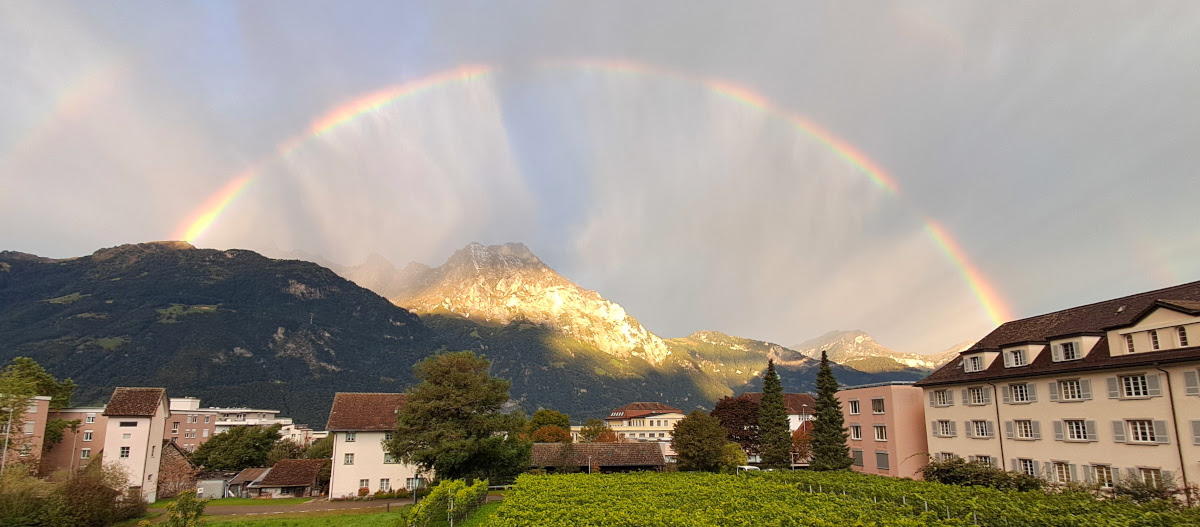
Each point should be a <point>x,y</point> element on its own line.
<point>784,499</point>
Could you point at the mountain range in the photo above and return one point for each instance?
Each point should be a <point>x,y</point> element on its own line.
<point>237,328</point>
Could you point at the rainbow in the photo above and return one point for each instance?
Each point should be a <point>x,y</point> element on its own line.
<point>69,103</point>
<point>203,218</point>
<point>200,221</point>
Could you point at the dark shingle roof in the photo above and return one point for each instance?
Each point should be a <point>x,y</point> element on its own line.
<point>1091,319</point>
<point>642,409</point>
<point>135,402</point>
<point>248,475</point>
<point>293,473</point>
<point>364,411</point>
<point>795,402</point>
<point>602,454</point>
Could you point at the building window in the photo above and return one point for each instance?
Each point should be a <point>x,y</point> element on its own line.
<point>126,436</point>
<point>206,418</point>
<point>1070,390</point>
<point>858,457</point>
<point>1069,351</point>
<point>1024,429</point>
<point>30,426</point>
<point>351,437</point>
<point>1103,476</point>
<point>364,483</point>
<point>85,453</point>
<point>1182,331</point>
<point>348,459</point>
<point>1017,358</point>
<point>124,451</point>
<point>856,432</point>
<point>1062,472</point>
<point>1027,467</point>
<point>974,363</point>
<point>387,436</point>
<point>26,449</point>
<point>1142,431</point>
<point>193,419</point>
<point>153,449</point>
<point>977,396</point>
<point>986,460</point>
<point>877,406</point>
<point>1151,476</point>
<point>1135,386</point>
<point>945,428</point>
<point>175,428</point>
<point>880,433</point>
<point>981,428</point>
<point>87,435</point>
<point>385,484</point>
<point>944,456</point>
<point>205,432</point>
<point>943,398</point>
<point>854,410</point>
<point>128,424</point>
<point>388,458</point>
<point>881,461</point>
<point>91,418</point>
<point>1020,393</point>
<point>1129,342</point>
<point>1076,429</point>
<point>1154,339</point>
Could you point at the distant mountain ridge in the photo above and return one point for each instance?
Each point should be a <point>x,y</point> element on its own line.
<point>858,350</point>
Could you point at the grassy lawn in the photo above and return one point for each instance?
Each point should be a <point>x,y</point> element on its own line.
<point>225,502</point>
<point>348,518</point>
<point>482,516</point>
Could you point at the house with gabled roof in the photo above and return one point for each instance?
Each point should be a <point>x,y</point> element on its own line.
<point>136,418</point>
<point>641,421</point>
<point>288,478</point>
<point>238,486</point>
<point>1093,393</point>
<point>360,423</point>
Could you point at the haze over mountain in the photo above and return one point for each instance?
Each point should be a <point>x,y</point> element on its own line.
<point>858,350</point>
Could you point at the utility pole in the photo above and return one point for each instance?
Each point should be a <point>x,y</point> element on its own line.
<point>7,432</point>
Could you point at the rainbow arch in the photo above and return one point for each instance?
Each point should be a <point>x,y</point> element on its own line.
<point>202,219</point>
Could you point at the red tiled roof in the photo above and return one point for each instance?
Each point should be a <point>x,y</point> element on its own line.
<point>135,402</point>
<point>1088,319</point>
<point>248,475</point>
<point>795,402</point>
<point>364,411</point>
<point>642,409</point>
<point>601,454</point>
<point>293,473</point>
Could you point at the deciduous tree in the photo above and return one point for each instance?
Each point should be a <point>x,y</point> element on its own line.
<point>802,442</point>
<point>452,423</point>
<point>596,431</point>
<point>829,450</point>
<point>550,434</point>
<point>739,417</point>
<point>238,448</point>
<point>547,417</point>
<point>699,442</point>
<point>775,441</point>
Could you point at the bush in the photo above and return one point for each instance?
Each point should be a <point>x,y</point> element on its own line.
<point>185,511</point>
<point>28,501</point>
<point>977,473</point>
<point>1142,492</point>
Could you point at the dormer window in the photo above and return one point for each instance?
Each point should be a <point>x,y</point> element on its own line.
<point>974,363</point>
<point>1129,343</point>
<point>1182,331</point>
<point>1015,358</point>
<point>1154,339</point>
<point>1066,351</point>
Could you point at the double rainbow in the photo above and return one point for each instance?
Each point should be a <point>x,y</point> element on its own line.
<point>203,218</point>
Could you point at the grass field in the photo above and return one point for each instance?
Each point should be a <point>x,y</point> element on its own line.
<point>225,502</point>
<point>344,518</point>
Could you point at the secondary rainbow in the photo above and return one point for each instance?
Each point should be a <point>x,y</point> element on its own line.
<point>199,222</point>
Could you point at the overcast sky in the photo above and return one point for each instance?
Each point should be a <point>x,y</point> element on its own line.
<point>1056,142</point>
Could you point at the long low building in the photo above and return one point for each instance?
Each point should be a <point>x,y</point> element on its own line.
<point>1093,393</point>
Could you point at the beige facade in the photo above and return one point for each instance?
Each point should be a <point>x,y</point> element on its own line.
<point>133,436</point>
<point>360,424</point>
<point>887,428</point>
<point>1118,396</point>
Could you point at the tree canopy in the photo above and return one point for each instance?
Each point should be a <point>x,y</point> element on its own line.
<point>775,440</point>
<point>596,431</point>
<point>24,377</point>
<point>699,443</point>
<point>739,416</point>
<point>550,434</point>
<point>238,448</point>
<point>547,417</point>
<point>828,439</point>
<point>452,423</point>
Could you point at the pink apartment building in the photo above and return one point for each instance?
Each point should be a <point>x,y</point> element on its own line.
<point>25,433</point>
<point>80,445</point>
<point>887,428</point>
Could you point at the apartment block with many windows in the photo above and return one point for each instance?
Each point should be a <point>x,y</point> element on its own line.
<point>886,424</point>
<point>1091,394</point>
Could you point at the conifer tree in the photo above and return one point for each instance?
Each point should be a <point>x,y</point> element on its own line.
<point>829,450</point>
<point>775,441</point>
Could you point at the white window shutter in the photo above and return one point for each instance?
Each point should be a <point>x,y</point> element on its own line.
<point>987,395</point>
<point>1013,463</point>
<point>1090,428</point>
<point>950,397</point>
<point>1074,471</point>
<point>1032,388</point>
<point>1058,430</point>
<point>1008,429</point>
<point>1087,474</point>
<point>1037,429</point>
<point>1007,358</point>
<point>966,396</point>
<point>1007,394</point>
<point>1053,390</point>
<point>1114,388</point>
<point>953,429</point>
<point>1160,432</point>
<point>1168,477</point>
<point>969,429</point>
<point>1152,385</point>
<point>1085,388</point>
<point>1196,432</point>
<point>933,429</point>
<point>1037,468</point>
<point>1191,379</point>
<point>1056,353</point>
<point>1118,428</point>
<point>932,398</point>
<point>1132,473</point>
<point>991,429</point>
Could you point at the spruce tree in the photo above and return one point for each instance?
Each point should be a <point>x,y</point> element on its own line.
<point>775,441</point>
<point>829,450</point>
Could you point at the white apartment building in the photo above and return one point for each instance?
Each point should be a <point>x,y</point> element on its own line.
<point>359,424</point>
<point>1093,394</point>
<point>134,435</point>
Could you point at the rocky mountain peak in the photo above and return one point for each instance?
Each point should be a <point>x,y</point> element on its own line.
<point>484,257</point>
